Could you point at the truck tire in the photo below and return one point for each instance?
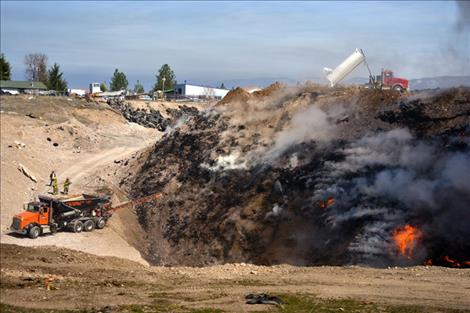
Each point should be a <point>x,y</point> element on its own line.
<point>89,225</point>
<point>34,232</point>
<point>77,227</point>
<point>100,223</point>
<point>398,88</point>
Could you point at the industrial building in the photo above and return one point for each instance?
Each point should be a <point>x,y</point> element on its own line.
<point>194,91</point>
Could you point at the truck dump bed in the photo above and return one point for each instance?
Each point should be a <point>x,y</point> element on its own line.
<point>80,202</point>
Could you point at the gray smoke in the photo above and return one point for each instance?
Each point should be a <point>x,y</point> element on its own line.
<point>463,15</point>
<point>389,179</point>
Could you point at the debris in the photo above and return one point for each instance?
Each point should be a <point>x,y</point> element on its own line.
<point>55,144</point>
<point>31,115</point>
<point>19,144</point>
<point>48,139</point>
<point>263,298</point>
<point>342,190</point>
<point>152,119</point>
<point>27,172</point>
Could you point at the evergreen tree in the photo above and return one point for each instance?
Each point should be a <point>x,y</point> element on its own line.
<point>118,81</point>
<point>139,88</point>
<point>103,87</point>
<point>5,69</point>
<point>222,86</point>
<point>56,81</point>
<point>165,72</point>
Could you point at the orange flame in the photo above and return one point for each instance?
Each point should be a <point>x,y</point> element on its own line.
<point>406,239</point>
<point>327,202</point>
<point>455,263</point>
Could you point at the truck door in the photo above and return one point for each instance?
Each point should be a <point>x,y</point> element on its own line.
<point>388,78</point>
<point>44,215</point>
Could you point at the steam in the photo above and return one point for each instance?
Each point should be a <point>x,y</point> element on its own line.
<point>307,125</point>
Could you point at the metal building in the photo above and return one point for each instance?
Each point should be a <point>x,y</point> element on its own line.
<point>201,92</point>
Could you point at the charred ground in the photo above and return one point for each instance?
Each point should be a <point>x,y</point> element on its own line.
<point>297,175</point>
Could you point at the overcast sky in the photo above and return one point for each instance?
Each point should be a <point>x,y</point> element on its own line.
<point>212,42</point>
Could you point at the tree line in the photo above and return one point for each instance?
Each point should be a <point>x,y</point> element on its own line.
<point>53,78</point>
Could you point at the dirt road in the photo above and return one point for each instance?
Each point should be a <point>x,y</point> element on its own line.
<point>109,241</point>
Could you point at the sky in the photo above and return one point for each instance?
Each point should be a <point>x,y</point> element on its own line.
<point>213,42</point>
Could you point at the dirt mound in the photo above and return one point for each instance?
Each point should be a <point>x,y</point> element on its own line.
<point>307,176</point>
<point>240,95</point>
<point>268,90</point>
<point>237,94</point>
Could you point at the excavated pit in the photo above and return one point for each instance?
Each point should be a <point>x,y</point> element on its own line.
<point>310,175</point>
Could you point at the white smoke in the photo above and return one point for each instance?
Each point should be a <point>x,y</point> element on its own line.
<point>306,125</point>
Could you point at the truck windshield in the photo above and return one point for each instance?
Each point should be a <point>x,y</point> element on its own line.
<point>31,208</point>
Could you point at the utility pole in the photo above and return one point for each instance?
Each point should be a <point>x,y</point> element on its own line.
<point>163,87</point>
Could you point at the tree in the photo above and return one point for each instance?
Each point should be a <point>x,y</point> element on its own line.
<point>222,86</point>
<point>36,67</point>
<point>165,72</point>
<point>118,81</point>
<point>139,88</point>
<point>56,82</point>
<point>5,69</point>
<point>103,87</point>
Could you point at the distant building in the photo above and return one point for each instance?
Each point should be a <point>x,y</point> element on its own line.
<point>195,91</point>
<point>95,87</point>
<point>78,92</point>
<point>15,86</point>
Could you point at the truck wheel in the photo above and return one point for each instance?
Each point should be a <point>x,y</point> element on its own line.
<point>34,232</point>
<point>89,225</point>
<point>53,228</point>
<point>100,223</point>
<point>398,88</point>
<point>77,227</point>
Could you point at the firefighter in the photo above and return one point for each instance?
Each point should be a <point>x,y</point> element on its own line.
<point>52,176</point>
<point>55,186</point>
<point>67,183</point>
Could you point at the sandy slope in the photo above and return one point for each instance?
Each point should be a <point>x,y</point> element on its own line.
<point>103,137</point>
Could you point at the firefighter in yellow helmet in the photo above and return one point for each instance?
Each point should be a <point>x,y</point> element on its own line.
<point>55,186</point>
<point>67,183</point>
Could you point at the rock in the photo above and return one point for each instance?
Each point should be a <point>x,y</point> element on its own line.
<point>19,144</point>
<point>27,172</point>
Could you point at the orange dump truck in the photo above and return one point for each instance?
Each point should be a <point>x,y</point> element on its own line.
<point>53,213</point>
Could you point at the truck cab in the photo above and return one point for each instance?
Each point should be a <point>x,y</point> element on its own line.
<point>389,81</point>
<point>35,215</point>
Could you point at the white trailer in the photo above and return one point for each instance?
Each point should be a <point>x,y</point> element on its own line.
<point>194,91</point>
<point>348,65</point>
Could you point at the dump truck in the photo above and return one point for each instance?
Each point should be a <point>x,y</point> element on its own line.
<point>74,213</point>
<point>386,80</point>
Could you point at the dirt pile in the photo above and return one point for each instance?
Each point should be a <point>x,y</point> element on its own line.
<point>240,95</point>
<point>311,176</point>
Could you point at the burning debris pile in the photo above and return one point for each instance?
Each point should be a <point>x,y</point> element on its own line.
<point>311,176</point>
<point>152,118</point>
